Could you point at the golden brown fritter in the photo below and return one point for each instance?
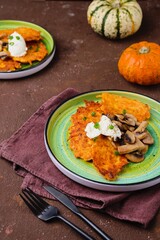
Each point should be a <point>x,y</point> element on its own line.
<point>115,104</point>
<point>9,65</point>
<point>79,142</point>
<point>106,160</point>
<point>28,34</point>
<point>36,52</point>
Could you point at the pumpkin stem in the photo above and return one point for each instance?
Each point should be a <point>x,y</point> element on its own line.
<point>116,4</point>
<point>144,50</point>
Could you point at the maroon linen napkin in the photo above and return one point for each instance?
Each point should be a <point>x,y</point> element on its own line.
<point>26,150</point>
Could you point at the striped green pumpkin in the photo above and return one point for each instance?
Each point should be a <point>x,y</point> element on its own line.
<point>115,18</point>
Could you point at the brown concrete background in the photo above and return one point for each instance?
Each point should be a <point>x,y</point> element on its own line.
<point>85,61</point>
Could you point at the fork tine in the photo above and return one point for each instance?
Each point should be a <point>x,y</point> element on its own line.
<point>35,203</point>
<point>39,201</point>
<point>32,208</point>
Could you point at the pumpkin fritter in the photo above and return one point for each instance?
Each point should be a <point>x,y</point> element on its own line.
<point>36,52</point>
<point>9,65</point>
<point>105,159</point>
<point>115,104</point>
<point>28,34</point>
<point>80,144</point>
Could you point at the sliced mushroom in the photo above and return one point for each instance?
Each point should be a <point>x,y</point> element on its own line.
<point>119,116</point>
<point>4,55</point>
<point>1,45</point>
<point>120,125</point>
<point>143,151</point>
<point>131,116</point>
<point>131,128</point>
<point>137,124</point>
<point>128,119</point>
<point>128,148</point>
<point>148,139</point>
<point>140,135</point>
<point>125,127</point>
<point>135,157</point>
<point>129,137</point>
<point>141,128</point>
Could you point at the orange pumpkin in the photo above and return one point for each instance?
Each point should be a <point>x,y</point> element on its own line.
<point>140,63</point>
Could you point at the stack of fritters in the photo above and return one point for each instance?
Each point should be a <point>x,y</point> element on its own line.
<point>36,48</point>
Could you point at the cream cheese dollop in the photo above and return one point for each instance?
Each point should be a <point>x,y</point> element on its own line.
<point>16,45</point>
<point>105,127</point>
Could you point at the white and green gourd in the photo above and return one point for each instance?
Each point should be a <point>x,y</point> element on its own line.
<point>115,19</point>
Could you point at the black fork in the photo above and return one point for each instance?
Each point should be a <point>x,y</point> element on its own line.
<point>46,212</point>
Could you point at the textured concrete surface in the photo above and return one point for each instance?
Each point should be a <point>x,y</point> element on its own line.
<point>85,61</point>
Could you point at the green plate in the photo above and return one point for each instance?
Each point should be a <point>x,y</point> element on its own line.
<point>134,176</point>
<point>28,69</point>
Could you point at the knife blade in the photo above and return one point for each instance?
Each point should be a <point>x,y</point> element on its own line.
<point>69,204</point>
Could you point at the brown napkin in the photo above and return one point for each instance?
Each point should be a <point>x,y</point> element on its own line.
<point>26,150</point>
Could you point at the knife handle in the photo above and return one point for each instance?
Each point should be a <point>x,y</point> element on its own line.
<point>96,228</point>
<point>80,231</point>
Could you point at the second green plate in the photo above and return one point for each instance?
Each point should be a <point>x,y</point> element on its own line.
<point>27,69</point>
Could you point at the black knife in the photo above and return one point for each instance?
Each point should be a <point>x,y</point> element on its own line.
<point>69,204</point>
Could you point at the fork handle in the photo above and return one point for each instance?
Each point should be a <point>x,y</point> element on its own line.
<point>80,231</point>
<point>97,229</point>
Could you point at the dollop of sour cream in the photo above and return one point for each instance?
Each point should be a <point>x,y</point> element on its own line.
<point>16,45</point>
<point>105,127</point>
<point>91,131</point>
